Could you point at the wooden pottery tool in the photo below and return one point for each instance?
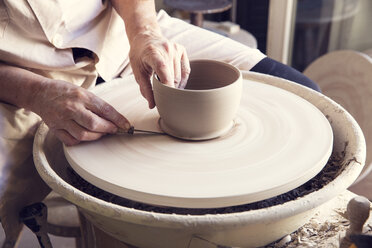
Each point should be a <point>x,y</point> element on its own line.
<point>133,130</point>
<point>357,213</point>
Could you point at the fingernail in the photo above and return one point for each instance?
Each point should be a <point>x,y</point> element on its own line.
<point>169,82</point>
<point>177,82</point>
<point>183,84</point>
<point>127,126</point>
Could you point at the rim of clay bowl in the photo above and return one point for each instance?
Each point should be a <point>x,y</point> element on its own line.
<point>265,215</point>
<point>239,77</point>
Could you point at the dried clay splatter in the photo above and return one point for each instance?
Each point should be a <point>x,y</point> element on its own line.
<point>314,234</point>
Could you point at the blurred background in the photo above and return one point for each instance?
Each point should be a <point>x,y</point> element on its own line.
<point>314,27</point>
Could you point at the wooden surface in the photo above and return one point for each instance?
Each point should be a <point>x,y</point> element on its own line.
<point>346,77</point>
<point>270,150</point>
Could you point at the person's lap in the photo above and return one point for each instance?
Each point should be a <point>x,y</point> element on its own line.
<point>20,184</point>
<point>274,68</point>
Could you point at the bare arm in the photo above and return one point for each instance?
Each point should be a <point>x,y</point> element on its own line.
<point>150,51</point>
<point>71,112</point>
<point>139,16</point>
<point>19,86</point>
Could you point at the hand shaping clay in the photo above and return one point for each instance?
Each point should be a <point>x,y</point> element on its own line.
<point>205,109</point>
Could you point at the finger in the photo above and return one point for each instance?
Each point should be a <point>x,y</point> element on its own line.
<point>162,69</point>
<point>106,111</point>
<point>177,65</point>
<point>65,137</point>
<point>185,69</point>
<point>144,81</point>
<point>80,133</point>
<point>149,95</point>
<point>93,122</point>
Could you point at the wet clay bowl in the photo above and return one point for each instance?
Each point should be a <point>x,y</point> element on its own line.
<point>252,228</point>
<point>206,108</point>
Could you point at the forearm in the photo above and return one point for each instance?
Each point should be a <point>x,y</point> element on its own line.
<point>139,16</point>
<point>18,86</point>
<point>151,52</point>
<point>71,112</point>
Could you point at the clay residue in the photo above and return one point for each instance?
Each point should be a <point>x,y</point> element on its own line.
<point>327,233</point>
<point>333,168</point>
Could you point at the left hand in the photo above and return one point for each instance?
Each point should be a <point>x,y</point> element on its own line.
<point>151,52</point>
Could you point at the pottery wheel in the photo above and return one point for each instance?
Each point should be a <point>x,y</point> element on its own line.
<point>278,142</point>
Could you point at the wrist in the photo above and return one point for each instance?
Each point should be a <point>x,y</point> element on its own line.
<point>143,31</point>
<point>143,35</point>
<point>139,16</point>
<point>36,92</point>
<point>19,86</point>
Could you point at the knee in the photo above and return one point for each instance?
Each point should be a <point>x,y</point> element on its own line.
<point>275,68</point>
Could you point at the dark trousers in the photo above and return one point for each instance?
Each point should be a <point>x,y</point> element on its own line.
<point>275,68</point>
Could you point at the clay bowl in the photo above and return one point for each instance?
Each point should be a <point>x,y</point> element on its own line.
<point>205,109</point>
<point>251,228</point>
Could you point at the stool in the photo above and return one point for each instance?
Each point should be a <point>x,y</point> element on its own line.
<point>197,8</point>
<point>55,216</point>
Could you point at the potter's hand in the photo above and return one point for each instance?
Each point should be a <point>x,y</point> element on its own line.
<point>151,52</point>
<point>74,114</point>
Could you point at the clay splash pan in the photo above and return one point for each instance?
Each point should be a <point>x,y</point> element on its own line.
<point>333,168</point>
<point>279,142</point>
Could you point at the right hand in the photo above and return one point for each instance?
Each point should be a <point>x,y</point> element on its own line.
<point>74,114</point>
<point>150,53</point>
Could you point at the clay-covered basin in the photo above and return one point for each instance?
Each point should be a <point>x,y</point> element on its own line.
<point>240,229</point>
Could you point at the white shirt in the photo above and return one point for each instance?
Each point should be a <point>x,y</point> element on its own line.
<point>39,35</point>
